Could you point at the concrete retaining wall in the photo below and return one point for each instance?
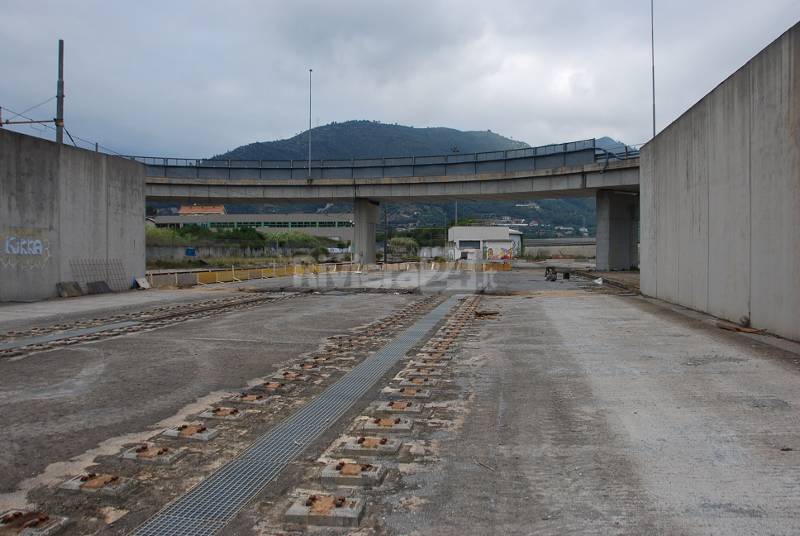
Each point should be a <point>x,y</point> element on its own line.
<point>720,198</point>
<point>66,214</point>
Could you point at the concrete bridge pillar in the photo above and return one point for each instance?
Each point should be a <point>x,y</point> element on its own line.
<point>617,230</point>
<point>365,219</point>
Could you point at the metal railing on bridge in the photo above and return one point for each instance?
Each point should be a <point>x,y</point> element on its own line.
<point>511,160</point>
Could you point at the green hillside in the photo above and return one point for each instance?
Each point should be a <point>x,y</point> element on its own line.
<point>371,139</point>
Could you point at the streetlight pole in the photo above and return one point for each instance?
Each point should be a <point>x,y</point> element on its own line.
<point>653,61</point>
<point>309,122</point>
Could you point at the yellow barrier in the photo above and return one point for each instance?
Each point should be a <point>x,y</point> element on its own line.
<point>245,274</point>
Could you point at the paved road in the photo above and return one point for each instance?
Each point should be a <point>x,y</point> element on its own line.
<point>601,414</point>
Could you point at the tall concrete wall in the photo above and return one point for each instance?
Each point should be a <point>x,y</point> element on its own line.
<point>720,198</point>
<point>67,214</point>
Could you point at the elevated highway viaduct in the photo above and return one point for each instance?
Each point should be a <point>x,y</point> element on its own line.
<point>574,169</point>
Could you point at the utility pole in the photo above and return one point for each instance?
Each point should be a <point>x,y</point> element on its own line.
<point>309,122</point>
<point>456,222</point>
<point>60,94</point>
<point>653,60</point>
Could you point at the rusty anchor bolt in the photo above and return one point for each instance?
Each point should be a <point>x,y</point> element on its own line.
<point>143,447</point>
<point>325,501</point>
<point>372,442</point>
<point>23,520</point>
<point>386,422</point>
<point>95,481</point>
<point>225,411</point>
<point>352,469</point>
<point>196,428</point>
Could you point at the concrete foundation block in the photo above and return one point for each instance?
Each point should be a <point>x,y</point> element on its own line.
<point>225,413</point>
<point>405,393</point>
<point>418,381</point>
<point>429,356</point>
<point>273,387</point>
<point>396,407</point>
<point>150,453</point>
<point>343,473</point>
<point>306,367</point>
<point>251,399</point>
<point>428,363</point>
<point>195,432</point>
<point>30,523</point>
<point>98,483</point>
<point>326,510</point>
<point>371,446</point>
<point>290,376</point>
<point>425,372</point>
<point>386,425</point>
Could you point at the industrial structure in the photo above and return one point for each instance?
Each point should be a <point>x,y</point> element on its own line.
<point>333,226</point>
<point>489,243</point>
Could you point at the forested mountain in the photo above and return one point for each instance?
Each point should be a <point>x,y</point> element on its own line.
<point>371,139</point>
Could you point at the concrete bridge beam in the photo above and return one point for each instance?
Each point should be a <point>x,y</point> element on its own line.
<point>617,237</point>
<point>365,220</point>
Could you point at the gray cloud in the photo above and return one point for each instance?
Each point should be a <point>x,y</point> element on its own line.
<point>196,78</point>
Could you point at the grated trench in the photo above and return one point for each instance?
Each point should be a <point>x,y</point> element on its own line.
<point>211,504</point>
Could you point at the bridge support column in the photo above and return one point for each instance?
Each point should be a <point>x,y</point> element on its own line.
<point>365,219</point>
<point>617,230</point>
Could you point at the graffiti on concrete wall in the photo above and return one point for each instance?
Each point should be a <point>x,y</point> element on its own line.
<point>22,247</point>
<point>500,253</point>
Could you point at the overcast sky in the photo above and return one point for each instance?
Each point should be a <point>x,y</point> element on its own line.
<point>196,78</point>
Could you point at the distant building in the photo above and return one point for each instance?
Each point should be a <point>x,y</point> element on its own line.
<point>201,210</point>
<point>476,243</point>
<point>334,226</point>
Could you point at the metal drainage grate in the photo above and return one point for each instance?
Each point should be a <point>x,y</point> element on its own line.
<point>210,505</point>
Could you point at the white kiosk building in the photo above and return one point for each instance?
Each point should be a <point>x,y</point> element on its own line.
<point>487,243</point>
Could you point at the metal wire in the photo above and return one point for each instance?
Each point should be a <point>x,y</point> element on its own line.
<point>211,504</point>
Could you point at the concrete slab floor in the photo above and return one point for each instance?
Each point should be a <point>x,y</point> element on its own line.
<point>612,415</point>
<point>63,403</point>
<point>578,412</point>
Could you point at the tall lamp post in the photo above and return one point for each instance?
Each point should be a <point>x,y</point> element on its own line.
<point>309,122</point>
